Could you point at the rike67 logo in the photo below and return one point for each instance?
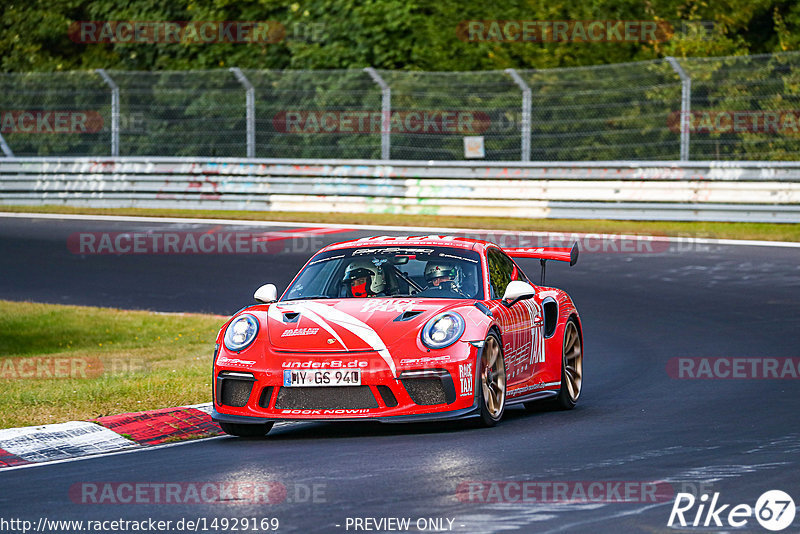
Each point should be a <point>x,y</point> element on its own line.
<point>774,511</point>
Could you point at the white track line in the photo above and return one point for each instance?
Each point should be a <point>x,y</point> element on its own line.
<point>134,447</point>
<point>388,228</point>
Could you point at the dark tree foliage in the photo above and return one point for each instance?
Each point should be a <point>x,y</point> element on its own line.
<point>385,34</point>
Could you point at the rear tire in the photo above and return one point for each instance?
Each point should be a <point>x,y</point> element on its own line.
<point>245,430</point>
<point>571,373</point>
<point>492,381</point>
<point>571,368</point>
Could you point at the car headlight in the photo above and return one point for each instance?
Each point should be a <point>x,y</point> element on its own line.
<point>241,332</point>
<point>443,330</point>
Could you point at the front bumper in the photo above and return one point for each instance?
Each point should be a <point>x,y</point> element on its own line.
<point>414,418</point>
<point>411,392</point>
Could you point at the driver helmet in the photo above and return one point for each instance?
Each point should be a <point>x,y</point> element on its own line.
<point>443,275</point>
<point>363,278</point>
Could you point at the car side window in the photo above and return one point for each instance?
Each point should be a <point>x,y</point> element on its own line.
<point>314,280</point>
<point>502,270</point>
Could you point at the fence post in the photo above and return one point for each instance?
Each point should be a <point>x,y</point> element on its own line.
<point>686,105</point>
<point>114,111</point>
<point>386,111</point>
<point>250,102</point>
<point>6,149</point>
<point>525,129</point>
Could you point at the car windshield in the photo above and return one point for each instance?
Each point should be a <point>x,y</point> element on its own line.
<point>432,272</point>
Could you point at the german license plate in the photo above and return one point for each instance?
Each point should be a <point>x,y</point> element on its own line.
<point>321,377</point>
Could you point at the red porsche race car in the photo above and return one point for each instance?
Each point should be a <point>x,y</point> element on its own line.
<point>400,329</point>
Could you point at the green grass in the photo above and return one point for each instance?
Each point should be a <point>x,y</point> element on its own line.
<point>759,231</point>
<point>112,361</point>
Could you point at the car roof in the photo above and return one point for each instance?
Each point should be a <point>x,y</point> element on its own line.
<point>416,240</point>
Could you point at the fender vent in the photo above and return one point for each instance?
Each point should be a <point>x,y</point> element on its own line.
<point>405,316</point>
<point>291,317</point>
<point>484,308</point>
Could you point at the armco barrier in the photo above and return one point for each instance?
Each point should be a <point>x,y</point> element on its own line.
<point>707,191</point>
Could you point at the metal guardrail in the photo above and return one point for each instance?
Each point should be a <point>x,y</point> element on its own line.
<point>708,191</point>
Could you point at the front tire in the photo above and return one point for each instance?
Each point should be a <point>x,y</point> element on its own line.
<point>492,381</point>
<point>246,431</point>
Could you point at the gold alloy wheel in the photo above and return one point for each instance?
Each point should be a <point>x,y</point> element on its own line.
<point>493,378</point>
<point>573,361</point>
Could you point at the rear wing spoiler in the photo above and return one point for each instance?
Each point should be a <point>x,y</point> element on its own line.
<point>546,253</point>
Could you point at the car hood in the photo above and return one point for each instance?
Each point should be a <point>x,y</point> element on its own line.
<point>346,325</point>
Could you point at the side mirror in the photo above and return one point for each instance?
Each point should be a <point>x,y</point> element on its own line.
<point>517,290</point>
<point>266,293</point>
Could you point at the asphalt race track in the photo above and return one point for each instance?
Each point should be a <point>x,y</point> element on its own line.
<point>635,422</point>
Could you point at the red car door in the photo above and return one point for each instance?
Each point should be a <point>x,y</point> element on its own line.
<point>521,324</point>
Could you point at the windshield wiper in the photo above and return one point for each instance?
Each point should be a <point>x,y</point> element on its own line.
<point>311,297</point>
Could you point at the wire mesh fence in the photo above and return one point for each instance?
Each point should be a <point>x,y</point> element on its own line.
<point>180,113</point>
<point>605,112</point>
<point>52,114</point>
<point>730,108</point>
<point>316,114</point>
<point>761,93</point>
